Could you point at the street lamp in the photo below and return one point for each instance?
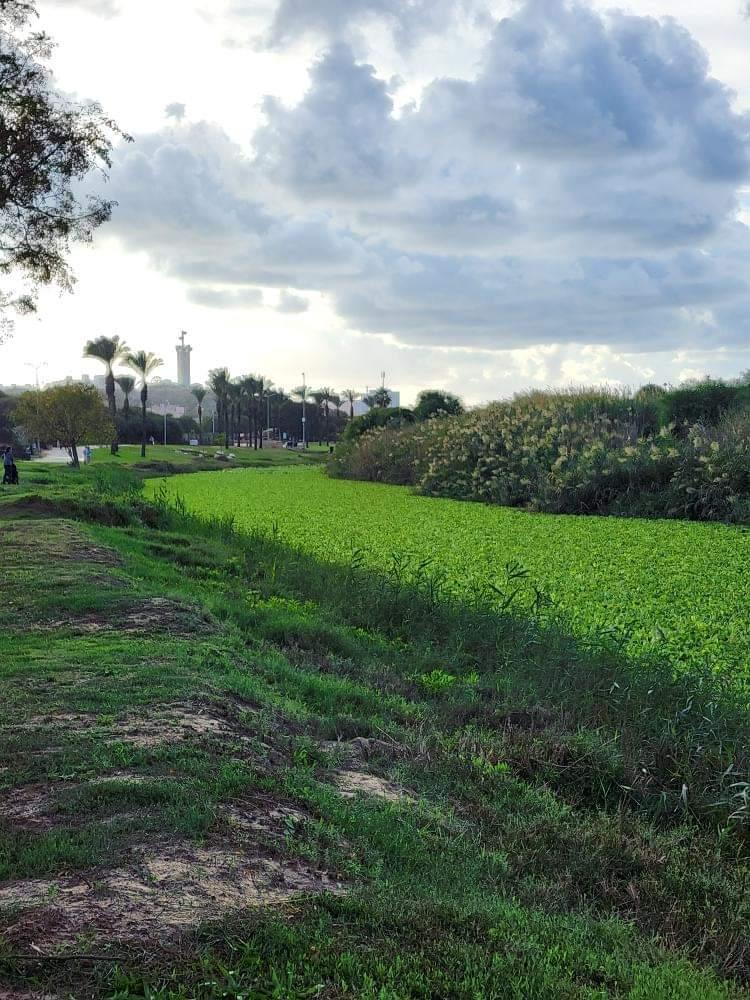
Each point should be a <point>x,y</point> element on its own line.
<point>304,411</point>
<point>37,366</point>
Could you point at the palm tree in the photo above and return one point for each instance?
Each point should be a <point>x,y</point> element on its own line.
<point>301,393</point>
<point>108,350</point>
<point>380,398</point>
<point>324,397</point>
<point>248,387</point>
<point>218,383</point>
<point>127,384</point>
<point>200,394</point>
<point>143,364</point>
<point>279,397</point>
<point>351,396</point>
<point>234,397</point>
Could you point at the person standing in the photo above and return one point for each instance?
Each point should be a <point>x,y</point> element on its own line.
<point>8,466</point>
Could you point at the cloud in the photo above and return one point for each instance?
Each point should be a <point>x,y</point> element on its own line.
<point>222,298</point>
<point>176,110</point>
<point>408,20</point>
<point>292,304</point>
<point>340,140</point>
<point>605,130</point>
<point>582,187</point>
<point>102,8</point>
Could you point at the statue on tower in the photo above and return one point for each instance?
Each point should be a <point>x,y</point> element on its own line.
<point>183,362</point>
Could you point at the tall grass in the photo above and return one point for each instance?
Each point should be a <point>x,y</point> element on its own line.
<point>596,451</point>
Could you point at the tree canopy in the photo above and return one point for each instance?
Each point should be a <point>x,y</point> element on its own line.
<point>71,414</point>
<point>431,402</point>
<point>48,144</point>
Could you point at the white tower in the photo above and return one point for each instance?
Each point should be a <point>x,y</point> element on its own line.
<point>183,361</point>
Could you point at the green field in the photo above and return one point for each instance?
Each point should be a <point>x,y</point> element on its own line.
<point>664,585</point>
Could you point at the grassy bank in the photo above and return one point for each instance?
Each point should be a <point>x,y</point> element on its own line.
<point>293,778</point>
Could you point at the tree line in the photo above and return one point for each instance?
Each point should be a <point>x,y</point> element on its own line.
<point>247,408</point>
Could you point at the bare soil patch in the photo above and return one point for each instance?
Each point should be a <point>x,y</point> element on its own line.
<point>170,725</point>
<point>155,615</point>
<point>166,889</point>
<point>353,783</point>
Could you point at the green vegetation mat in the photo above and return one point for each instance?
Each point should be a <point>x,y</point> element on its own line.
<point>676,588</point>
<point>229,768</point>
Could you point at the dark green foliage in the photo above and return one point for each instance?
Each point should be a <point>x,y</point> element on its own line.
<point>703,402</point>
<point>386,416</point>
<point>434,402</point>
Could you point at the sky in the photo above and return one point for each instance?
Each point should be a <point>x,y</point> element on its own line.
<point>475,195</point>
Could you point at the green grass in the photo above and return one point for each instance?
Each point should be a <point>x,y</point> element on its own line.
<point>534,860</point>
<point>678,589</point>
<point>130,455</point>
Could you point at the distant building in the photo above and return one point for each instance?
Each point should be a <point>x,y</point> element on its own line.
<point>361,407</point>
<point>183,362</point>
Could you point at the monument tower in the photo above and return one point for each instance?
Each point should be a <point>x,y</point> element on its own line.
<point>183,361</point>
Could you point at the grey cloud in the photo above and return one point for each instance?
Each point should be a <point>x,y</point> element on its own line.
<point>605,127</point>
<point>409,20</point>
<point>573,192</point>
<point>340,140</point>
<point>223,298</point>
<point>176,110</point>
<point>292,304</point>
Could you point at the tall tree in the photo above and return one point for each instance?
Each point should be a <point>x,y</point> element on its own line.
<point>351,396</point>
<point>218,383</point>
<point>234,396</point>
<point>302,393</point>
<point>126,384</point>
<point>143,363</point>
<point>200,394</point>
<point>48,145</point>
<point>435,402</point>
<point>71,414</point>
<point>248,387</point>
<point>325,397</point>
<point>108,350</point>
<point>380,398</point>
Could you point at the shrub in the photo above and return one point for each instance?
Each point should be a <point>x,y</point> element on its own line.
<point>385,416</point>
<point>579,451</point>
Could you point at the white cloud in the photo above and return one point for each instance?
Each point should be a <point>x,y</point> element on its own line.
<point>102,8</point>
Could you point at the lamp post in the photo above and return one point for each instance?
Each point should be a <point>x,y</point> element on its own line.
<point>37,366</point>
<point>304,411</point>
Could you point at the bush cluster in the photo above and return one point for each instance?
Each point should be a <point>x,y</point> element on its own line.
<point>576,451</point>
